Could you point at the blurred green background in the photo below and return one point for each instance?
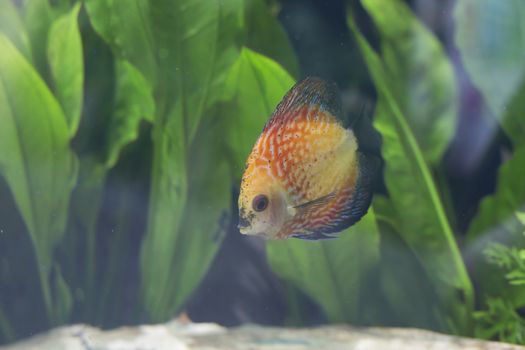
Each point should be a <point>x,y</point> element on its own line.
<point>125,125</point>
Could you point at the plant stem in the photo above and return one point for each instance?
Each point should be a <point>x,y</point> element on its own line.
<point>5,327</point>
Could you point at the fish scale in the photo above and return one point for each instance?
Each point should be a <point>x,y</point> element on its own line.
<point>306,167</point>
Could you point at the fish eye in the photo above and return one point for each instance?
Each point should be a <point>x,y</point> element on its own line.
<point>260,202</point>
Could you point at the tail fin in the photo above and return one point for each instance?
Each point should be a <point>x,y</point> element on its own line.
<point>368,139</point>
<point>369,169</point>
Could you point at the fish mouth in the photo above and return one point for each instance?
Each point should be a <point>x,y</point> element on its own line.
<point>246,230</point>
<point>243,224</point>
<point>243,229</point>
<point>262,235</point>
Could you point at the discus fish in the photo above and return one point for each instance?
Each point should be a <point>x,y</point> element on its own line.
<point>306,176</point>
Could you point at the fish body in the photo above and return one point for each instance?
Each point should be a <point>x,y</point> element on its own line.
<point>305,176</point>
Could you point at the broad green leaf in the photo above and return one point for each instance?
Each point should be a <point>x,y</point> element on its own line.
<point>404,283</point>
<point>169,188</point>
<point>422,220</point>
<point>126,27</point>
<point>514,120</point>
<point>206,214</point>
<point>331,272</point>
<point>128,184</point>
<point>508,198</point>
<point>112,120</point>
<point>520,215</point>
<point>62,298</point>
<point>183,48</point>
<point>420,73</point>
<point>254,86</point>
<point>35,160</point>
<point>6,329</point>
<point>264,34</point>
<point>82,227</point>
<point>490,36</point>
<point>100,88</point>
<point>64,52</point>
<point>133,104</point>
<point>38,18</point>
<point>13,27</point>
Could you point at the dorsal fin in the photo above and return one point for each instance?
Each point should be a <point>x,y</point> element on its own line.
<point>309,93</point>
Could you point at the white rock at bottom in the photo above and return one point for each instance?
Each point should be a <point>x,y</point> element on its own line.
<point>203,336</point>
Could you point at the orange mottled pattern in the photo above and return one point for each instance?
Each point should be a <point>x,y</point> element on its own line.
<point>310,155</point>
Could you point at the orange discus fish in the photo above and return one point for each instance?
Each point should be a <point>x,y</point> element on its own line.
<point>306,176</point>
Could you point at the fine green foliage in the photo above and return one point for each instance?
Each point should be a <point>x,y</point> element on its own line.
<point>124,131</point>
<point>499,318</point>
<point>511,260</point>
<point>500,266</point>
<point>501,321</point>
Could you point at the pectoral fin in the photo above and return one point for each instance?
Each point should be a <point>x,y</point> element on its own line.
<point>316,203</point>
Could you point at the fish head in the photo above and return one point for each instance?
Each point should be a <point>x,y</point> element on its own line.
<point>263,206</point>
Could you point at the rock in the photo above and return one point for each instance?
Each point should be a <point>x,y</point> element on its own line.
<point>205,336</point>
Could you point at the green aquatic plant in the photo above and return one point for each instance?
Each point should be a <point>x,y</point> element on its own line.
<point>500,320</point>
<point>509,259</point>
<point>149,71</point>
<point>124,128</point>
<point>500,316</point>
<point>424,226</point>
